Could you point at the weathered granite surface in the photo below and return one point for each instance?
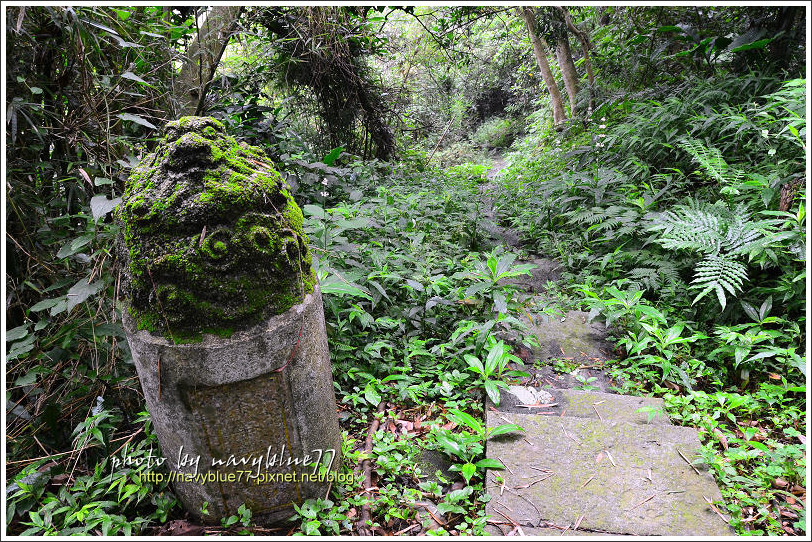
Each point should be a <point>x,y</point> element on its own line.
<point>265,394</point>
<point>604,476</point>
<point>583,404</point>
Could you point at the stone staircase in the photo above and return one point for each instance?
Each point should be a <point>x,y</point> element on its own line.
<point>592,463</point>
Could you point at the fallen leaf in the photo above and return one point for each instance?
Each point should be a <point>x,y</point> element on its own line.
<point>599,458</point>
<point>798,491</point>
<point>86,176</point>
<point>788,514</point>
<point>722,438</point>
<point>780,483</point>
<point>181,527</point>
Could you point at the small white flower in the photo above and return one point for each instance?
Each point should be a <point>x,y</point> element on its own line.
<point>601,135</point>
<point>771,152</point>
<point>603,119</point>
<point>324,182</point>
<point>325,194</point>
<point>765,133</point>
<point>602,126</point>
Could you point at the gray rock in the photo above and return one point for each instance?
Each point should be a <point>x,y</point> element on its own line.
<point>614,477</point>
<point>570,336</point>
<point>584,404</point>
<point>431,461</point>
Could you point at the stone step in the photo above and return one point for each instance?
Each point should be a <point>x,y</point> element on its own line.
<point>599,477</point>
<point>583,404</point>
<point>570,336</point>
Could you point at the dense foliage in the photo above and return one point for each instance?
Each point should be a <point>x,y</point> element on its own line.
<point>673,196</point>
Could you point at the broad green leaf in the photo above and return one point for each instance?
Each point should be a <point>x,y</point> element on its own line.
<point>17,333</point>
<point>333,156</point>
<point>489,463</point>
<point>132,77</point>
<point>100,205</point>
<point>503,429</point>
<point>468,470</point>
<point>467,419</point>
<point>475,288</point>
<point>459,494</point>
<point>445,508</point>
<point>499,302</point>
<point>650,311</point>
<point>82,290</point>
<point>493,392</point>
<point>449,446</point>
<point>314,210</point>
<point>72,247</point>
<point>45,304</point>
<point>759,44</point>
<point>371,394</point>
<point>474,363</point>
<point>137,119</point>
<point>26,380</point>
<point>335,285</point>
<point>494,356</point>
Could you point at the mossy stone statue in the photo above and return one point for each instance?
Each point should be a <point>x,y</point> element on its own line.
<point>213,237</point>
<point>226,327</point>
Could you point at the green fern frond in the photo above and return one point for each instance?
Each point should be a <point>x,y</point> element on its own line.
<point>718,274</point>
<point>696,227</point>
<point>711,160</point>
<point>710,229</point>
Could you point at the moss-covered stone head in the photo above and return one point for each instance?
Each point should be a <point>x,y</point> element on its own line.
<point>212,236</point>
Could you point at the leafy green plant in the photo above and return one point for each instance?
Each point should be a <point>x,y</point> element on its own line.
<point>492,371</point>
<point>243,516</point>
<point>723,235</point>
<point>317,515</point>
<point>465,446</point>
<point>113,498</point>
<point>488,274</point>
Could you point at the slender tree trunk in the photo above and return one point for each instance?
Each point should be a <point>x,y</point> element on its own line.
<point>564,56</point>
<point>204,53</point>
<point>586,46</point>
<point>540,50</point>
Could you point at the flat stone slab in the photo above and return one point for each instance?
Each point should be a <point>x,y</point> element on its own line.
<point>569,336</point>
<point>546,270</point>
<point>506,529</point>
<point>583,404</point>
<point>601,476</point>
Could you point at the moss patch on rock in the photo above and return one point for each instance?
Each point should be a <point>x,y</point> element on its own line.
<point>213,237</point>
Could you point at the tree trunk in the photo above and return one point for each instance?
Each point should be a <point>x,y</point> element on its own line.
<point>540,50</point>
<point>564,56</point>
<point>203,55</point>
<point>586,46</point>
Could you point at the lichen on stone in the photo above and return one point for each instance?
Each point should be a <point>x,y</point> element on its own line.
<point>212,236</point>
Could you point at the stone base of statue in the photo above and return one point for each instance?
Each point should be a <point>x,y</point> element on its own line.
<point>250,419</point>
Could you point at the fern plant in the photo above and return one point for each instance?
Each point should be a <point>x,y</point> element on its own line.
<point>723,235</point>
<point>711,160</point>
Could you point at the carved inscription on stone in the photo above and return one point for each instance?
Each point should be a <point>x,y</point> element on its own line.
<point>246,431</point>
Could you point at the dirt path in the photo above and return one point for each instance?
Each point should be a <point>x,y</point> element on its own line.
<point>491,223</point>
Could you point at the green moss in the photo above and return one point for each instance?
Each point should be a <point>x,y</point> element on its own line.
<point>214,238</point>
